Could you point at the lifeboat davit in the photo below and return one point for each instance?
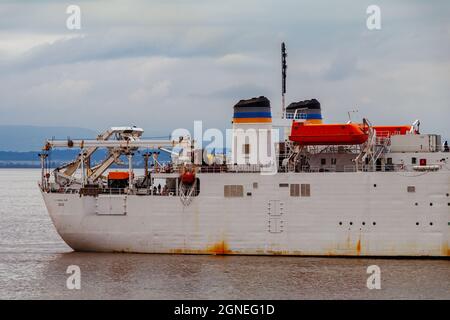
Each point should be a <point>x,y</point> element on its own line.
<point>328,134</point>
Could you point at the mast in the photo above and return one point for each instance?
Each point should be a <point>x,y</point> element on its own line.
<point>283,78</point>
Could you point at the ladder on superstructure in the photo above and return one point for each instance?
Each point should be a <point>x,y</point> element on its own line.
<point>187,192</point>
<point>373,149</point>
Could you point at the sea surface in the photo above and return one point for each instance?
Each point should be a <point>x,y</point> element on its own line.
<point>34,261</point>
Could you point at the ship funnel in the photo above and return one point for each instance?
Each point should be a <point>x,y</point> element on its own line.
<point>252,132</point>
<point>308,110</point>
<point>254,110</point>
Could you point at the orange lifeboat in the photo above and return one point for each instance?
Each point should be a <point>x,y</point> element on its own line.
<point>328,134</point>
<point>387,131</point>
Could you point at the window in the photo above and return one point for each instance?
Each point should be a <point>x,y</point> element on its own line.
<point>284,185</point>
<point>411,189</point>
<point>295,190</point>
<point>306,190</point>
<point>246,148</point>
<point>232,191</point>
<point>255,185</point>
<point>389,161</point>
<point>333,161</point>
<point>323,161</point>
<point>414,160</point>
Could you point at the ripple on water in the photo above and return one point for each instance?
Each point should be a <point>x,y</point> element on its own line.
<point>33,263</point>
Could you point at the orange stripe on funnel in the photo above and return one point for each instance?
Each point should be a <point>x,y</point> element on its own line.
<point>252,120</point>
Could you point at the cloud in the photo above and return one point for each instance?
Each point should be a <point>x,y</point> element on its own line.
<point>158,89</point>
<point>163,64</point>
<point>342,68</point>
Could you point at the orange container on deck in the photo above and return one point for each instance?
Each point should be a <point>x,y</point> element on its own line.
<point>118,175</point>
<point>327,134</point>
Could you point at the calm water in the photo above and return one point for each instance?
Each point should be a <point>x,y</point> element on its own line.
<point>34,259</point>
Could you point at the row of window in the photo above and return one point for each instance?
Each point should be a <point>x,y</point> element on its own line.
<point>374,223</point>
<point>323,161</point>
<point>296,190</point>
<point>232,191</point>
<point>422,162</point>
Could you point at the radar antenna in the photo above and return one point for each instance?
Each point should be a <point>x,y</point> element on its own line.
<point>283,76</point>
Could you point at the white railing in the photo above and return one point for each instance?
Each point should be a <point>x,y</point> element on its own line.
<point>296,116</point>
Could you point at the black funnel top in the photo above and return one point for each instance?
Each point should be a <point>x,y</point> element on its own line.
<point>312,104</point>
<point>260,102</point>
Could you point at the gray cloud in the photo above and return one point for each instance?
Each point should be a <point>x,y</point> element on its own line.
<point>163,64</point>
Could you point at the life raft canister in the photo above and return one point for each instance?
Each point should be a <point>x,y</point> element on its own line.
<point>188,177</point>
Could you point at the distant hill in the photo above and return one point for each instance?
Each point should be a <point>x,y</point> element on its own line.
<point>32,138</point>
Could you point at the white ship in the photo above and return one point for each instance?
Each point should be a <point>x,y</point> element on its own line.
<point>352,189</point>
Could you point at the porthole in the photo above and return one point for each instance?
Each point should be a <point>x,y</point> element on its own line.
<point>374,223</point>
<point>431,204</point>
<point>416,204</point>
<point>363,223</point>
<point>417,223</point>
<point>431,223</point>
<point>351,223</point>
<point>340,223</point>
<point>374,185</point>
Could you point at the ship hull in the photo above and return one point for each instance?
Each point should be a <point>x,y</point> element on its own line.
<point>341,214</point>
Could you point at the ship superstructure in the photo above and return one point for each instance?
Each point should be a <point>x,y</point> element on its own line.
<point>344,189</point>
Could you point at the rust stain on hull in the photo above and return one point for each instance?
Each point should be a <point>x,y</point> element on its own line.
<point>222,250</point>
<point>445,250</point>
<point>219,248</point>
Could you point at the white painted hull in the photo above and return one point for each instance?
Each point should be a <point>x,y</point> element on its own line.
<point>346,215</point>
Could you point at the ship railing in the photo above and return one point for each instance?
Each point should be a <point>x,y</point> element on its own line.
<point>231,168</point>
<point>385,134</point>
<point>350,168</point>
<point>296,116</point>
<point>318,169</point>
<point>213,169</point>
<point>333,149</point>
<point>150,191</point>
<point>383,139</point>
<point>387,167</point>
<point>244,168</point>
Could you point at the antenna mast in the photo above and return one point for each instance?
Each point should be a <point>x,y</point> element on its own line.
<point>283,76</point>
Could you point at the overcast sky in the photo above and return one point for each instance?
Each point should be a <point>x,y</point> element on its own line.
<point>163,64</point>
